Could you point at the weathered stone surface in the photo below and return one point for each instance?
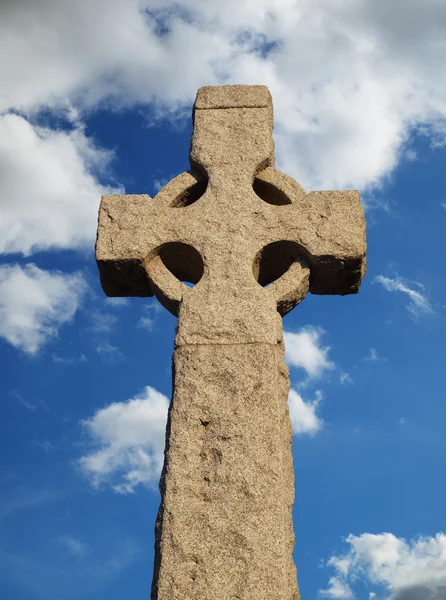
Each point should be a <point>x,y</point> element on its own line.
<point>231,225</point>
<point>225,529</point>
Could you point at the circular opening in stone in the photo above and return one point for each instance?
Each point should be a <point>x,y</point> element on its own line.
<point>183,261</point>
<point>274,260</point>
<point>269,193</point>
<point>191,194</point>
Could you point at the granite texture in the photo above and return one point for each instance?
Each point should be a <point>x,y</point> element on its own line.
<point>253,243</point>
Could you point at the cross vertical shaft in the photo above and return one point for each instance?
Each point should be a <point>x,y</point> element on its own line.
<point>224,529</point>
<point>231,225</point>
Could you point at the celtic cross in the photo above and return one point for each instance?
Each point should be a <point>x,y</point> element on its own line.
<point>252,243</point>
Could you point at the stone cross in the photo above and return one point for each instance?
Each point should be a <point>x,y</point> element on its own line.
<point>253,243</point>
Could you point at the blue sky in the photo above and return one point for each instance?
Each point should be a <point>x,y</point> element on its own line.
<point>96,98</point>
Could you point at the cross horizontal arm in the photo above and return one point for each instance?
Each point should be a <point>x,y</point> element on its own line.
<point>119,260</point>
<point>130,227</point>
<point>327,226</point>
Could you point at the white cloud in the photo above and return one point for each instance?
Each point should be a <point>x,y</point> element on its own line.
<point>49,194</point>
<point>337,589</point>
<point>102,322</point>
<point>129,442</point>
<point>69,360</point>
<point>407,570</point>
<point>345,378</point>
<point>35,303</point>
<point>303,413</point>
<point>148,318</point>
<point>117,302</point>
<point>109,354</point>
<point>418,301</point>
<point>45,445</point>
<point>160,183</point>
<point>145,323</point>
<point>74,546</point>
<point>21,400</point>
<point>372,356</point>
<point>304,350</point>
<point>343,110</point>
